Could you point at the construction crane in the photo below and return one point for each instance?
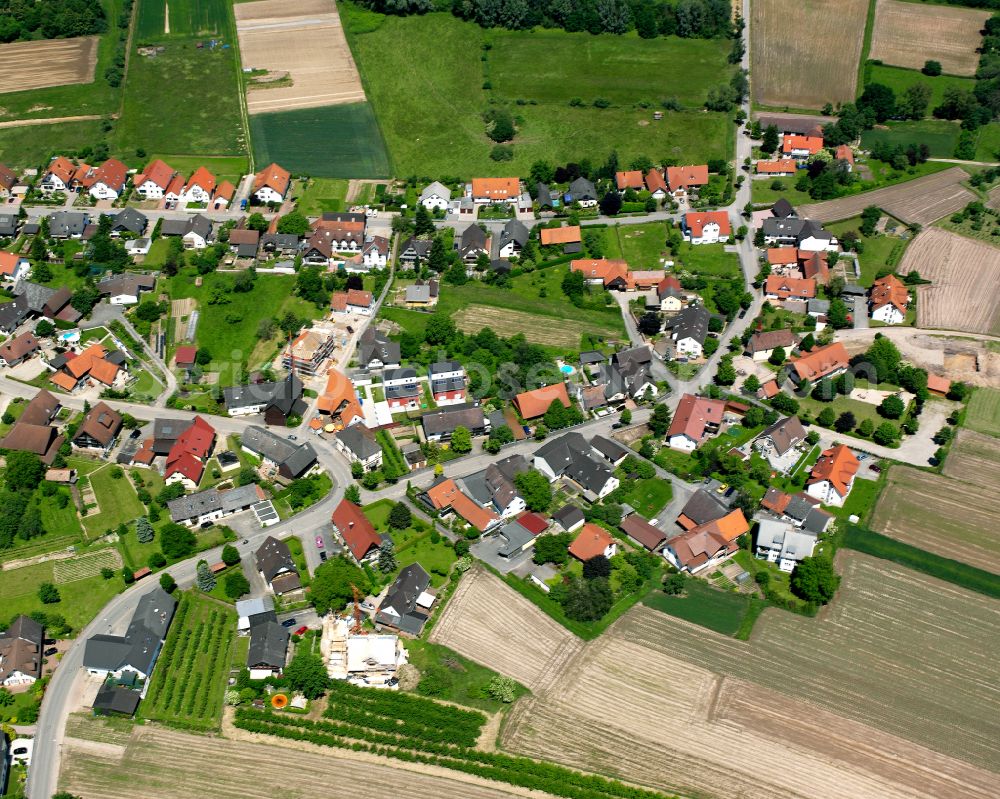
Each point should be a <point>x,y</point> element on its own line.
<point>357,629</point>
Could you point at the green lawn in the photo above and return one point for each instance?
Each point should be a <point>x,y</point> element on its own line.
<point>642,246</point>
<point>939,135</point>
<point>469,680</point>
<point>899,79</point>
<point>321,195</point>
<point>762,193</point>
<point>840,404</point>
<point>22,701</point>
<point>224,167</point>
<point>710,260</point>
<point>204,117</point>
<point>301,141</point>
<point>80,600</point>
<point>983,414</point>
<point>32,146</point>
<point>435,558</point>
<point>988,143</point>
<point>879,250</point>
<point>649,497</point>
<point>76,99</point>
<point>861,501</point>
<point>535,66</point>
<point>721,611</point>
<point>117,500</point>
<point>411,97</point>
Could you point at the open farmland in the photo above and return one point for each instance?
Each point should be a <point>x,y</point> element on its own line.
<point>153,762</point>
<point>303,41</point>
<point>789,69</point>
<point>923,200</point>
<point>489,622</point>
<point>52,62</point>
<point>908,34</point>
<point>963,520</point>
<point>853,713</point>
<point>186,18</point>
<point>536,329</point>
<point>958,269</point>
<point>983,414</point>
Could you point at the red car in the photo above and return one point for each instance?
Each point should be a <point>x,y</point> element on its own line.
<point>302,630</point>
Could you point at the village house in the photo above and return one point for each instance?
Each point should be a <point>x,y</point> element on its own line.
<point>189,453</point>
<point>214,504</point>
<point>627,376</point>
<point>494,190</point>
<point>889,300</point>
<point>200,187</point>
<point>276,566</point>
<point>706,227</point>
<point>532,404</point>
<point>339,401</point>
<point>821,362</point>
<point>68,224</point>
<point>582,192</point>
<point>282,460</point>
<point>18,349</point>
<point>688,331</point>
<point>762,343</point>
<point>439,424</point>
<point>782,168</point>
<point>695,420</point>
<point>670,295</point>
<point>195,232</point>
<point>99,429</point>
<point>832,476</point>
<point>152,182</point>
<point>422,294</point>
<point>8,180</point>
<point>126,288</point>
<point>512,239</point>
<point>569,518</point>
<point>568,236</point>
<point>356,532</point>
<point>569,457</point>
<point>686,180</point>
<point>779,443</point>
<point>445,497</point>
<point>781,543</point>
<point>13,267</point>
<point>436,197</point>
<point>655,184</point>
<point>32,433</point>
<point>778,288</point>
<point>270,185</point>
<point>105,182</point>
<point>593,541</point>
<point>447,380</point>
<point>21,652</point>
<point>138,649</point>
<point>128,222</point>
<point>280,244</point>
<point>402,391</point>
<point>494,487</point>
<point>806,234</point>
<point>57,176</point>
<point>94,364</point>
<point>9,224</point>
<point>801,510</point>
<point>277,400</point>
<point>708,544</point>
<point>642,533</point>
<point>223,196</point>
<point>243,242</point>
<point>359,445</point>
<point>408,602</point>
<point>309,352</point>
<point>845,154</point>
<point>376,351</point>
<point>613,275</point>
<point>374,254</point>
<point>801,147</point>
<point>631,179</point>
<point>473,243</point>
<point>414,251</point>
<point>268,649</point>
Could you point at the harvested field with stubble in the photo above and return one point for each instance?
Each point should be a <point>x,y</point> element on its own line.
<point>923,200</point>
<point>907,34</point>
<point>958,268</point>
<point>304,40</point>
<point>963,521</point>
<point>856,711</point>
<point>545,330</point>
<point>789,70</point>
<point>154,762</point>
<point>490,623</point>
<point>51,62</point>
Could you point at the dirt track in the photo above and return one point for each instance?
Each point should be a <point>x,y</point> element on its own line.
<point>50,62</point>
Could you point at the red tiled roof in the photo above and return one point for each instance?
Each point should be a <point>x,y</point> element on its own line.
<point>112,173</point>
<point>844,153</point>
<point>693,415</point>
<point>592,541</point>
<point>821,362</point>
<point>358,533</point>
<point>889,290</point>
<point>790,287</point>
<point>197,440</point>
<point>496,188</point>
<point>775,500</point>
<point>605,269</point>
<point>62,168</point>
<point>338,301</point>
<point>225,190</point>
<point>533,404</point>
<point>186,464</point>
<point>938,384</point>
<point>560,235</point>
<point>201,178</point>
<point>655,181</point>
<point>273,177</point>
<point>782,256</point>
<point>683,177</point>
<point>339,399</point>
<point>696,222</point>
<point>630,180</point>
<point>770,389</point>
<point>778,167</point>
<point>361,299</point>
<point>185,356</point>
<point>837,465</point>
<point>812,144</point>
<point>156,172</point>
<point>533,522</point>
<point>446,494</point>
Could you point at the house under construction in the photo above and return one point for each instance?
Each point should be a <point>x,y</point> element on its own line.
<point>366,660</point>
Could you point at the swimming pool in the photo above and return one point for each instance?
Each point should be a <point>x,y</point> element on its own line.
<point>70,336</point>
<point>566,369</point>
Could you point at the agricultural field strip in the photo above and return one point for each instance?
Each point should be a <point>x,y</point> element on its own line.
<point>922,200</point>
<point>484,611</point>
<point>307,44</point>
<point>958,268</point>
<point>678,733</point>
<point>160,763</point>
<point>537,329</point>
<point>983,414</point>
<point>908,34</point>
<point>51,62</point>
<point>86,565</point>
<point>789,70</point>
<point>963,521</point>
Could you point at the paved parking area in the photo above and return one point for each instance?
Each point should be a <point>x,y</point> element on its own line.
<point>487,549</point>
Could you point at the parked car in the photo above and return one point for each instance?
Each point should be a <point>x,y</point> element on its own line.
<point>288,623</point>
<point>319,542</point>
<point>322,555</point>
<point>875,468</point>
<point>862,456</point>
<point>301,631</point>
<point>50,651</point>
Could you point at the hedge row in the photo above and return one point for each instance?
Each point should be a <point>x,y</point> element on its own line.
<point>167,655</point>
<point>183,675</point>
<point>413,729</point>
<point>509,769</point>
<point>219,638</point>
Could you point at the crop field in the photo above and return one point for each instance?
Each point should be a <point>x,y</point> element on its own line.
<point>983,414</point>
<point>303,42</point>
<point>205,116</point>
<point>155,762</point>
<point>490,623</point>
<point>855,713</point>
<point>411,97</point>
<point>908,34</point>
<point>923,200</point>
<point>940,135</point>
<point>338,141</point>
<point>963,520</point>
<point>51,62</point>
<point>958,267</point>
<point>86,565</point>
<point>536,329</point>
<point>535,67</point>
<point>789,70</point>
<point>187,18</point>
<point>187,684</point>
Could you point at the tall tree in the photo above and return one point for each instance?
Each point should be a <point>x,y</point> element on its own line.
<point>206,580</point>
<point>535,489</point>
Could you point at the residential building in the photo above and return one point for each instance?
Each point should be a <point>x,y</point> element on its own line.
<point>778,288</point>
<point>356,531</point>
<point>494,190</point>
<point>609,449</point>
<point>517,538</point>
<point>276,400</point>
<point>128,222</point>
<point>188,454</point>
<point>99,429</point>
<point>152,182</point>
<point>18,349</point>
<point>642,532</point>
<point>126,288</point>
<point>569,518</point>
<point>21,653</point>
<point>706,227</point>
<point>254,611</point>
<point>627,376</point>
<point>688,330</point>
<point>195,232</point>
<point>415,251</point>
<point>583,192</point>
<point>13,267</point>
<point>138,649</point>
<point>435,197</point>
<point>821,362</point>
<point>695,421</point>
<point>32,433</point>
<point>58,175</point>
<point>670,294</point>
<point>631,179</point>
<point>448,384</point>
<point>376,351</point>
<point>445,497</point>
<point>359,445</point>
<point>889,300</point>
<point>8,180</point>
<point>473,242</point>
<point>832,476</point>
<point>339,233</point>
<point>494,487</point>
<point>543,196</point>
<point>281,459</point>
<point>779,442</point>
<point>655,184</point>
<point>686,180</point>
<point>591,542</point>
<point>782,168</point>
<point>339,401</point>
<point>270,185</point>
<point>214,504</point>
<point>402,392</point>
<point>793,124</point>
<point>801,147</point>
<point>284,244</point>
<point>276,566</point>
<point>438,425</point>
<point>567,234</point>
<point>707,545</point>
<point>200,187</point>
<point>805,234</point>
<point>764,342</point>
<point>571,458</point>
<point>422,294</point>
<point>374,253</point>
<point>67,224</point>
<point>9,224</point>
<point>268,649</point>
<point>105,182</point>
<point>846,154</point>
<point>513,237</point>
<point>309,352</point>
<point>703,506</point>
<point>407,604</point>
<point>614,275</point>
<point>95,364</point>
<point>781,543</point>
<point>243,242</point>
<point>533,404</point>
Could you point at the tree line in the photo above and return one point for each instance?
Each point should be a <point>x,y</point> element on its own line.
<point>51,19</point>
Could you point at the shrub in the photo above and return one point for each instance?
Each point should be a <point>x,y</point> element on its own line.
<point>503,689</point>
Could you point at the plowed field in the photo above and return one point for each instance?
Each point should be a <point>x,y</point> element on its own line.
<point>492,624</point>
<point>52,62</point>
<point>963,273</point>
<point>908,34</point>
<point>963,521</point>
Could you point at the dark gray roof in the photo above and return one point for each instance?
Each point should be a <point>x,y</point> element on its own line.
<point>609,448</point>
<point>704,506</point>
<point>201,225</point>
<point>117,699</point>
<point>817,520</point>
<point>402,598</point>
<point>402,392</point>
<point>279,241</point>
<point>8,224</point>
<point>63,224</point>
<point>13,313</point>
<point>691,322</point>
<point>783,228</point>
<point>818,306</point>
<point>419,247</point>
<point>281,394</point>
<point>782,208</point>
<point>515,538</point>
<point>514,231</point>
<point>443,421</point>
<point>447,384</point>
<point>126,283</point>
<point>130,220</point>
<point>800,506</point>
<point>543,195</point>
<point>359,440</point>
<point>268,646</point>
<point>443,366</point>
<point>374,346</point>
<point>472,237</point>
<point>571,455</point>
<point>500,265</point>
<point>582,189</point>
<point>591,357</point>
<point>173,227</point>
<point>292,458</point>
<point>273,558</point>
<point>568,516</point>
<point>138,648</point>
<point>212,500</point>
<point>854,290</point>
<point>403,373</point>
